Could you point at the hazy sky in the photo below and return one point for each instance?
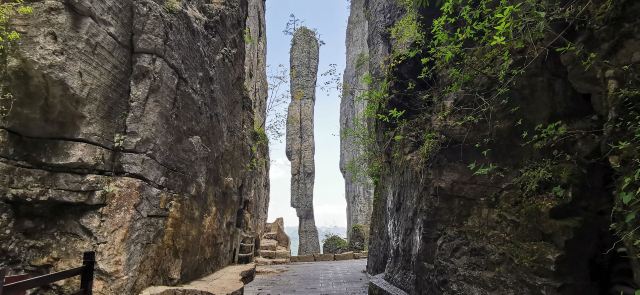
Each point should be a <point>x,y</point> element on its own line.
<point>330,18</point>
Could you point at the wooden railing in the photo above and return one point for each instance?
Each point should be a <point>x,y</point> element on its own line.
<point>16,285</point>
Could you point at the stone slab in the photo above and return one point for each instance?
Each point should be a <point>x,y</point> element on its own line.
<point>360,255</point>
<point>323,257</point>
<point>265,261</point>
<point>303,258</point>
<point>324,277</point>
<point>229,280</point>
<point>345,256</point>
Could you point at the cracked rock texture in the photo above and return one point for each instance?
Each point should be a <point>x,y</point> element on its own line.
<point>300,149</point>
<point>358,187</point>
<point>438,228</point>
<point>256,182</point>
<point>130,135</point>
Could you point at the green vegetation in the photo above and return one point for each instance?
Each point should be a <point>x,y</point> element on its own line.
<point>334,244</point>
<point>247,36</point>
<point>430,145</point>
<point>358,238</point>
<point>9,38</point>
<point>118,140</point>
<point>625,159</point>
<point>543,177</point>
<point>362,60</point>
<point>172,6</point>
<point>260,143</point>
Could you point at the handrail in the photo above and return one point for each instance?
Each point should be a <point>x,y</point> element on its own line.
<point>85,272</point>
<point>42,280</point>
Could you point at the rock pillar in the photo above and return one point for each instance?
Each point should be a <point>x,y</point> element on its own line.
<point>305,50</point>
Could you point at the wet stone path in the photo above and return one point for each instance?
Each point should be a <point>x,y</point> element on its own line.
<point>331,277</point>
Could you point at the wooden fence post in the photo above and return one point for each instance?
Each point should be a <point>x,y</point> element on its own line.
<point>3,273</point>
<point>86,279</point>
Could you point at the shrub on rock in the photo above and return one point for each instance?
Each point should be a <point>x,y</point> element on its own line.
<point>334,244</point>
<point>358,238</point>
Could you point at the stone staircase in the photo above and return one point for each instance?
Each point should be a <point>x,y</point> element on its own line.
<point>245,253</point>
<point>274,245</point>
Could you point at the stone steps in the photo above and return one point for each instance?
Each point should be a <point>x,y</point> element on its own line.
<point>268,244</point>
<point>270,236</point>
<point>274,245</point>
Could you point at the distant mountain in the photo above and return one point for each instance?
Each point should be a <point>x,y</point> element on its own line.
<point>292,231</point>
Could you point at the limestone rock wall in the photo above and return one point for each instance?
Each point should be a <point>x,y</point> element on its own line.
<point>438,228</point>
<point>358,187</point>
<point>256,188</point>
<point>131,135</point>
<point>300,148</point>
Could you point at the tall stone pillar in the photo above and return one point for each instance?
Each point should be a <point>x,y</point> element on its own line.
<point>305,51</point>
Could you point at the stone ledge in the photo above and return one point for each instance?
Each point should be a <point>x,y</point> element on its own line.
<point>302,258</point>
<point>379,286</point>
<point>323,257</point>
<point>229,280</point>
<point>265,261</point>
<point>345,256</point>
<point>329,257</point>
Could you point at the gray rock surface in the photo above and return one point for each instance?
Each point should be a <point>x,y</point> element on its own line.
<point>300,149</point>
<point>358,186</point>
<point>130,135</point>
<point>256,194</point>
<point>439,229</point>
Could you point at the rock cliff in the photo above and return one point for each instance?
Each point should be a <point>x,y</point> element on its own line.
<point>358,187</point>
<point>257,179</point>
<point>518,203</point>
<point>131,135</point>
<point>300,149</point>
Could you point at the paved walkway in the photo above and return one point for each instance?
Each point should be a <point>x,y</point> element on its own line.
<point>331,277</point>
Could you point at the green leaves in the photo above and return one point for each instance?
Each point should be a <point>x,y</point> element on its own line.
<point>498,40</point>
<point>482,169</point>
<point>626,197</point>
<point>630,217</point>
<point>421,3</point>
<point>8,42</point>
<point>548,135</point>
<point>394,113</point>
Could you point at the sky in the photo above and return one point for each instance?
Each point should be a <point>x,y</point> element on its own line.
<point>329,17</point>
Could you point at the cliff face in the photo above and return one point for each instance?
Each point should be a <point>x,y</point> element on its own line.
<point>256,192</point>
<point>300,146</point>
<point>131,135</point>
<point>358,187</point>
<point>440,225</point>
